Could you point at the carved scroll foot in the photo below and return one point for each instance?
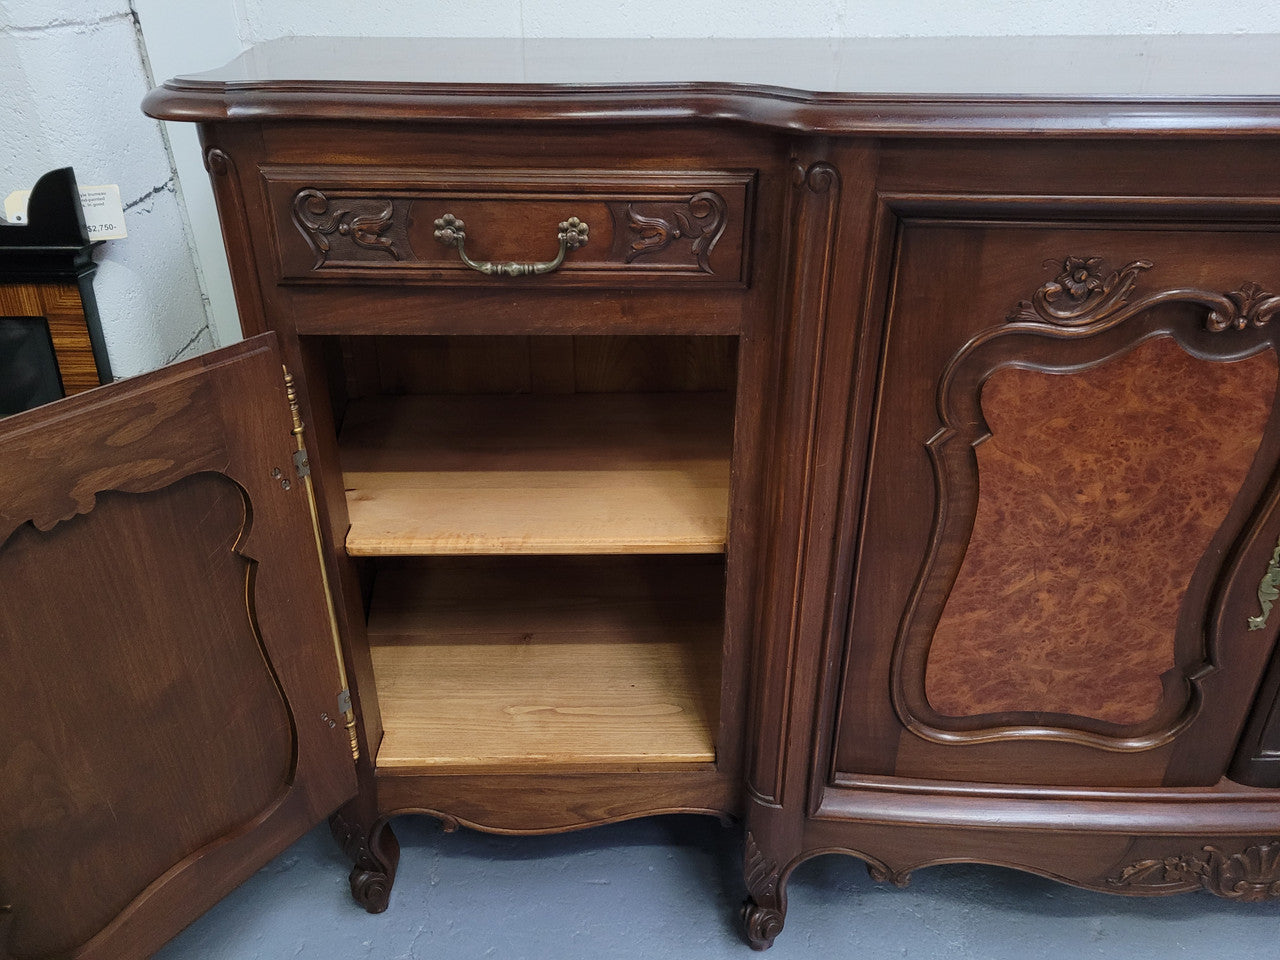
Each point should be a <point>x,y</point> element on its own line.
<point>761,924</point>
<point>371,888</point>
<point>375,853</point>
<point>765,910</point>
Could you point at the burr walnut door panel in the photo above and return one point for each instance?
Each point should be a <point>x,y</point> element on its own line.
<point>1068,509</point>
<point>168,663</point>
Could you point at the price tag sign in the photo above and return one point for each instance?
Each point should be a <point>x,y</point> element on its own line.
<point>103,211</point>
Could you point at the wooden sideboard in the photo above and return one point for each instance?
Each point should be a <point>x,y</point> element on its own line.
<point>893,471</point>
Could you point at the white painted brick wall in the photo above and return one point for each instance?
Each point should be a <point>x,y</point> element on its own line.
<point>73,77</point>
<point>266,19</point>
<point>28,15</point>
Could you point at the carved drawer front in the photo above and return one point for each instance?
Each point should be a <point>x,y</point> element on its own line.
<point>578,228</point>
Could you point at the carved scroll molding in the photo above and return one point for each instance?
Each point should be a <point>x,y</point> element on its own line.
<point>340,228</point>
<point>1250,876</point>
<point>1086,294</point>
<point>1084,316</point>
<point>700,220</point>
<point>217,162</point>
<point>883,873</point>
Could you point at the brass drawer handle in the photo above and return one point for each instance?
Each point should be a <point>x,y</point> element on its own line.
<point>452,233</point>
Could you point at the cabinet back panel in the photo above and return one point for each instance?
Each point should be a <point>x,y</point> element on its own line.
<point>538,364</point>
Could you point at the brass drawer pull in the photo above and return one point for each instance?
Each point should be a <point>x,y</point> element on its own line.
<point>452,233</point>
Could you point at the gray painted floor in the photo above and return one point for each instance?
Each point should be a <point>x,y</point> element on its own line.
<point>668,888</point>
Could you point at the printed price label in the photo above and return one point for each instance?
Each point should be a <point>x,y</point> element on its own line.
<point>103,211</point>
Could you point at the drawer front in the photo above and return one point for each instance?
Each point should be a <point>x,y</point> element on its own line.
<point>369,225</point>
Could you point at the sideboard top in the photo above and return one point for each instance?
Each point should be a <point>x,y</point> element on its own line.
<point>1086,86</point>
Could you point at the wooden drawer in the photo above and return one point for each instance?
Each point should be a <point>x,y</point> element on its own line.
<point>378,225</point>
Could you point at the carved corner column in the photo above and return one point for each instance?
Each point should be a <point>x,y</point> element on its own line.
<point>797,555</point>
<point>237,233</point>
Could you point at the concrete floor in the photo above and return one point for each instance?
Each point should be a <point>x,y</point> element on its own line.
<point>668,888</point>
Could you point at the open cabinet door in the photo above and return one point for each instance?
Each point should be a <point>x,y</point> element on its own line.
<point>167,666</point>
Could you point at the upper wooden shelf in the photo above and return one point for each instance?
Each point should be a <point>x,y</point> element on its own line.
<point>1093,85</point>
<point>563,474</point>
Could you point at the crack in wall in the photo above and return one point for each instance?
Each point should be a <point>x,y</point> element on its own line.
<point>177,354</point>
<point>67,24</point>
<point>166,187</point>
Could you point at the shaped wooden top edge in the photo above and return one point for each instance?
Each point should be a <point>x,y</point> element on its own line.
<point>1067,86</point>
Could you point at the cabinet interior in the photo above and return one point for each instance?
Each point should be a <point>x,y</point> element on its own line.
<point>542,525</point>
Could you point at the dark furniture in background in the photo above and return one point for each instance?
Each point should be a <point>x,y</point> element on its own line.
<point>896,473</point>
<point>50,338</point>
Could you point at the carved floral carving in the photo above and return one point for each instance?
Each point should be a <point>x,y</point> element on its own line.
<point>358,221</point>
<point>700,220</point>
<point>1250,876</point>
<point>1252,306</point>
<point>761,871</point>
<point>1085,293</point>
<point>1081,293</point>
<point>762,915</point>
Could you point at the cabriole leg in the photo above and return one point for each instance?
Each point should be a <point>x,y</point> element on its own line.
<point>374,851</point>
<point>765,910</point>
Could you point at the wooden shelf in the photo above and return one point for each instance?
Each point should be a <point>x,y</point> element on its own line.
<point>566,664</point>
<point>563,474</point>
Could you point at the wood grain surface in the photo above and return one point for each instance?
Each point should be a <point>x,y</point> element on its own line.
<point>1090,85</point>
<point>167,647</point>
<point>566,663</point>
<point>1100,491</point>
<point>135,665</point>
<point>60,305</point>
<point>577,474</point>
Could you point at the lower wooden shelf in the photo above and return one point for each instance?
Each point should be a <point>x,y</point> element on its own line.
<point>553,663</point>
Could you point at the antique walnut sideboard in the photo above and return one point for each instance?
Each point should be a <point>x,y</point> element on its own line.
<point>898,472</point>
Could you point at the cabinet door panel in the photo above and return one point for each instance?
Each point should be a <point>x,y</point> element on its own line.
<point>167,655</point>
<point>1069,480</point>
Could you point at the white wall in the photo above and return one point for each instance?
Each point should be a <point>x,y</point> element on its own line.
<point>187,36</point>
<point>72,73</point>
<point>266,19</point>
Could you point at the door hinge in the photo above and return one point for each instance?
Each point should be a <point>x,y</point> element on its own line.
<point>303,466</point>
